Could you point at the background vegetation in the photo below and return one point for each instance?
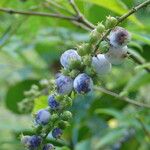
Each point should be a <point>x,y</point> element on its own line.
<point>30,47</point>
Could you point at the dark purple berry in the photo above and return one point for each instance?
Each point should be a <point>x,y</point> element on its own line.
<point>83,83</point>
<point>64,84</point>
<point>56,133</point>
<point>53,103</point>
<point>31,142</point>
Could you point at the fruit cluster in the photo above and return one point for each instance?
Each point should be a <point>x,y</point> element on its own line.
<point>81,68</point>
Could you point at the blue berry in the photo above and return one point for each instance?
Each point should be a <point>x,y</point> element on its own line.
<point>48,147</point>
<point>68,56</point>
<point>56,133</point>
<point>83,83</point>
<point>53,103</point>
<point>42,117</point>
<point>31,142</point>
<point>115,55</point>
<point>119,37</point>
<point>64,84</point>
<point>100,64</point>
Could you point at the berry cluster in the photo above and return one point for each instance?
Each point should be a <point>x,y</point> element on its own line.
<point>81,68</point>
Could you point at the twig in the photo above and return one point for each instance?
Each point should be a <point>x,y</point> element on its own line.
<point>33,13</point>
<point>74,6</point>
<point>80,16</point>
<point>126,99</point>
<point>122,18</point>
<point>59,7</point>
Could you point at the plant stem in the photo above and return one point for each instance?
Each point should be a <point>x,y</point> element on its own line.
<point>121,19</point>
<point>126,99</point>
<point>80,16</point>
<point>33,13</point>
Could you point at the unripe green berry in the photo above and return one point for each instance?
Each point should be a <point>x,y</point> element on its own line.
<point>54,117</point>
<point>87,60</point>
<point>110,22</point>
<point>63,124</point>
<point>100,28</point>
<point>59,98</point>
<point>84,49</point>
<point>66,115</point>
<point>67,102</point>
<point>104,47</point>
<point>94,36</point>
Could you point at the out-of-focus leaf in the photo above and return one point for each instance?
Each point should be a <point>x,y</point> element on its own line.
<point>117,7</point>
<point>39,103</point>
<point>136,55</point>
<point>15,94</point>
<point>84,145</point>
<point>110,138</point>
<point>141,38</point>
<point>147,65</point>
<point>111,112</point>
<point>136,45</point>
<point>136,81</point>
<point>10,122</point>
<point>32,57</point>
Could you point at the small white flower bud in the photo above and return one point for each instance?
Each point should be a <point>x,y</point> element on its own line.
<point>115,55</point>
<point>100,64</point>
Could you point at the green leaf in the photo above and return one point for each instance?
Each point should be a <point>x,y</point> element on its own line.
<point>141,78</point>
<point>39,103</point>
<point>141,38</point>
<point>109,138</point>
<point>84,145</point>
<point>117,7</point>
<point>110,112</point>
<point>143,66</point>
<point>15,94</point>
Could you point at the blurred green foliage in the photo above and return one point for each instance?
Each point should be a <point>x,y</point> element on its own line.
<point>30,48</point>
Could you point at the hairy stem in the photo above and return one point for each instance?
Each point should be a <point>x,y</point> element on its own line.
<point>126,99</point>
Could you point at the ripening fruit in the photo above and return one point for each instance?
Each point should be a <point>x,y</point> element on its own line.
<point>52,102</point>
<point>100,64</point>
<point>119,37</point>
<point>83,83</point>
<point>64,84</point>
<point>68,57</point>
<point>56,133</point>
<point>66,115</point>
<point>42,117</point>
<point>116,56</point>
<point>48,147</point>
<point>31,142</point>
